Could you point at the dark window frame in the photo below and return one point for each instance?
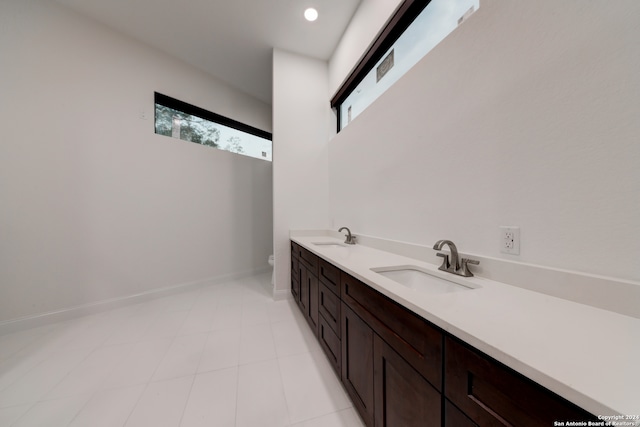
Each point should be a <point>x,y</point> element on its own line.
<point>192,110</point>
<point>404,15</point>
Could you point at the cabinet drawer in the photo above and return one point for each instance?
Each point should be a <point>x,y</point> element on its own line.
<point>490,393</point>
<point>295,250</point>
<point>329,306</point>
<point>419,342</point>
<point>309,260</point>
<point>330,343</point>
<point>329,275</point>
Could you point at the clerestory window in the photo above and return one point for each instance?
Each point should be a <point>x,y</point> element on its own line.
<point>412,32</point>
<point>187,122</point>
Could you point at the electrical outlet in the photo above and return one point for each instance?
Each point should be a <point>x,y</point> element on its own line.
<point>510,240</point>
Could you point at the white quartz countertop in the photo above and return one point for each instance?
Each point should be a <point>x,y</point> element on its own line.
<point>587,355</point>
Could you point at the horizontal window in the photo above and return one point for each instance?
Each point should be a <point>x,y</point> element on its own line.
<point>417,27</point>
<point>184,121</point>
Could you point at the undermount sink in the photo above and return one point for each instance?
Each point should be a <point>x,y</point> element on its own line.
<point>330,244</point>
<point>422,280</point>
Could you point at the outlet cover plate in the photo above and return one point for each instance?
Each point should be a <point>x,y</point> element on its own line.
<point>510,239</point>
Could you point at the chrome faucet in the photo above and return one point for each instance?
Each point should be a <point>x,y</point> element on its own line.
<point>454,266</point>
<point>350,240</point>
<point>446,265</point>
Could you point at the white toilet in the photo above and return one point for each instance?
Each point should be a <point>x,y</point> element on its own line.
<point>274,271</point>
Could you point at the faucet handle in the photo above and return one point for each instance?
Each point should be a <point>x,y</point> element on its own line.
<point>445,261</point>
<point>465,268</point>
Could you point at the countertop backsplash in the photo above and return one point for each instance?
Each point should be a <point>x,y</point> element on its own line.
<point>609,293</point>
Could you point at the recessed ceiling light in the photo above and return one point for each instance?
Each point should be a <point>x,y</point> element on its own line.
<point>311,14</point>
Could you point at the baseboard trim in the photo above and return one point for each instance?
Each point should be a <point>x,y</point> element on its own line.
<point>281,294</point>
<point>43,319</point>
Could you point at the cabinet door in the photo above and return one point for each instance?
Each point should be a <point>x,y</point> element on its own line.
<point>417,341</point>
<point>330,343</point>
<point>402,396</point>
<point>308,301</point>
<point>295,278</point>
<point>303,301</point>
<point>357,363</point>
<point>312,314</point>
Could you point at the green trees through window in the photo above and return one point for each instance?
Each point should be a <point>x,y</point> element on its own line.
<point>170,122</point>
<point>189,123</point>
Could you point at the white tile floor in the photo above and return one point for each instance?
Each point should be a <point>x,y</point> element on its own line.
<point>222,355</point>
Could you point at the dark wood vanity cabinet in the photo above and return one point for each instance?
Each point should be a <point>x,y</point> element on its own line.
<point>403,353</point>
<point>385,389</point>
<point>329,307</point>
<point>357,363</point>
<point>401,370</point>
<point>329,331</point>
<point>415,339</point>
<point>304,283</point>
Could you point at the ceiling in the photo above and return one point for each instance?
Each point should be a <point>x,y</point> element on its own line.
<point>231,40</point>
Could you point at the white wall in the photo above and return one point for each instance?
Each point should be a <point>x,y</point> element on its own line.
<point>301,117</point>
<point>526,115</point>
<point>93,204</point>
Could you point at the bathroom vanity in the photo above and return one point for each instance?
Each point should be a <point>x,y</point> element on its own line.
<point>401,369</point>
